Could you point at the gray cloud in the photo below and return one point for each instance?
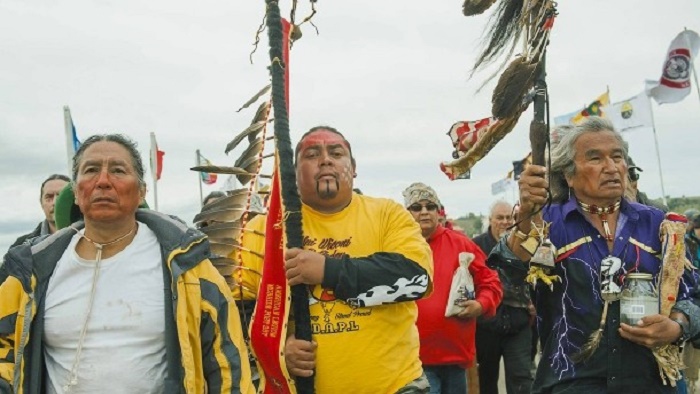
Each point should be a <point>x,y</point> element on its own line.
<point>392,75</point>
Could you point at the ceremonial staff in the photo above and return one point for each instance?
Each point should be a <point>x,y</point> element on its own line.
<point>290,194</point>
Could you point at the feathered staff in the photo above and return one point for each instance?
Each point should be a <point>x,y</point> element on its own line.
<point>513,93</point>
<point>290,195</point>
<point>674,262</point>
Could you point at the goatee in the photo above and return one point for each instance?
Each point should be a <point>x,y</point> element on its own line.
<point>324,190</point>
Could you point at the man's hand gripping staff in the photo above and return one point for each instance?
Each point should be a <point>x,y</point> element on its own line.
<point>529,239</point>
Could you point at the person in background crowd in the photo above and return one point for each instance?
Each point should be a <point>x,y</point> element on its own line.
<point>447,343</point>
<point>443,220</point>
<point>690,214</point>
<point>508,334</point>
<point>211,197</point>
<point>50,188</point>
<point>125,301</point>
<point>633,193</point>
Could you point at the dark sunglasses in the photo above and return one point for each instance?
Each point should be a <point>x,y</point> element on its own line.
<point>418,207</point>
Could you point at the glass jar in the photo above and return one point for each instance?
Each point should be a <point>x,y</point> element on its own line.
<point>639,298</point>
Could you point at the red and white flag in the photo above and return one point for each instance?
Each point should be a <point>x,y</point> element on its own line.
<point>674,84</point>
<point>465,134</point>
<point>156,159</point>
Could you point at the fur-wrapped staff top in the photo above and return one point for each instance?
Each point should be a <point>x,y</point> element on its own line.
<point>533,21</point>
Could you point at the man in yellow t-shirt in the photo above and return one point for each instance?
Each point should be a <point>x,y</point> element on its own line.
<point>365,262</point>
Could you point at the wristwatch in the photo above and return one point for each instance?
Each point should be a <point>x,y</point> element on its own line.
<point>685,331</point>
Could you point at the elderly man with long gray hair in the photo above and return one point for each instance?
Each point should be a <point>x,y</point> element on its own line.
<point>595,238</point>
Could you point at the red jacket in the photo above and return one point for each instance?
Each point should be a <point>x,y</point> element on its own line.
<point>450,340</point>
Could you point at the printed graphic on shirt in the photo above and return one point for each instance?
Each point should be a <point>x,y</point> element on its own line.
<point>340,316</point>
<point>327,246</point>
<point>403,289</point>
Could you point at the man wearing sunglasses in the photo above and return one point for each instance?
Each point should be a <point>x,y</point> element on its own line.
<point>447,343</point>
<point>633,193</point>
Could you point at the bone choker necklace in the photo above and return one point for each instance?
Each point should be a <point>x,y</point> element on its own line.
<point>73,376</point>
<point>602,213</point>
<point>101,246</point>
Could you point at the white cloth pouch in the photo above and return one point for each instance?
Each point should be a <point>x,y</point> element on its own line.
<point>462,287</point>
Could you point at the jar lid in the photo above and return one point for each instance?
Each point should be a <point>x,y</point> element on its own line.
<point>640,275</point>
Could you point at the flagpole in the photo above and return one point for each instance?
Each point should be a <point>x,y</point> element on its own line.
<point>695,78</point>
<point>658,156</point>
<point>154,169</point>
<point>70,146</point>
<point>199,178</point>
<point>155,194</point>
<point>692,66</point>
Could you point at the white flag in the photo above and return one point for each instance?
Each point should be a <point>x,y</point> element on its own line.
<point>631,113</point>
<point>674,84</point>
<point>500,186</point>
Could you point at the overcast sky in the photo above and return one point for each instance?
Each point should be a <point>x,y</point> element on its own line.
<point>392,75</point>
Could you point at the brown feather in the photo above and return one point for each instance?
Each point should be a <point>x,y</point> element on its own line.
<point>227,230</point>
<point>253,150</point>
<point>223,230</point>
<point>503,32</point>
<point>251,132</point>
<point>255,97</point>
<point>262,113</point>
<point>224,265</point>
<point>250,164</point>
<point>219,261</point>
<point>220,215</point>
<point>222,246</point>
<point>476,7</point>
<point>513,85</point>
<point>249,161</point>
<point>593,341</point>
<point>220,170</point>
<point>235,198</point>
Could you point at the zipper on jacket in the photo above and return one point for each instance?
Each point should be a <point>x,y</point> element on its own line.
<point>26,325</point>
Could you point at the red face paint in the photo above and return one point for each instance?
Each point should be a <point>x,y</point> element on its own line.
<point>325,171</point>
<point>322,137</point>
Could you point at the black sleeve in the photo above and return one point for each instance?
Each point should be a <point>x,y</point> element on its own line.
<point>381,278</point>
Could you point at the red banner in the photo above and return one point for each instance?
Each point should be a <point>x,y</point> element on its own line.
<point>268,329</point>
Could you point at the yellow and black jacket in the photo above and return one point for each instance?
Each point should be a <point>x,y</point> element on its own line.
<point>203,332</point>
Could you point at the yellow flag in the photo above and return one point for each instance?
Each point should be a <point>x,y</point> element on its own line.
<point>596,108</point>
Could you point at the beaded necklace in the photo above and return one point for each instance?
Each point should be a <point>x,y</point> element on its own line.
<point>602,213</point>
